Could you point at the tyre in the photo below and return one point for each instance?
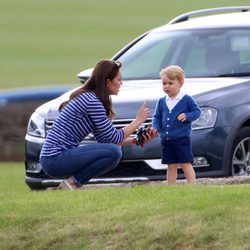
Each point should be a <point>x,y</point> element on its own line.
<point>240,163</point>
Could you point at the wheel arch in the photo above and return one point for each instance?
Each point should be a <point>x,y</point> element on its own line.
<point>241,134</point>
<point>240,122</point>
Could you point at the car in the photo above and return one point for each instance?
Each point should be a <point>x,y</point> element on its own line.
<point>213,48</point>
<point>16,106</point>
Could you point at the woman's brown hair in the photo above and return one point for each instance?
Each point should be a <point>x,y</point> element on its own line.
<point>97,83</point>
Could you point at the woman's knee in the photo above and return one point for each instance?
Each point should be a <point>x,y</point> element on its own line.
<point>115,151</point>
<point>47,164</point>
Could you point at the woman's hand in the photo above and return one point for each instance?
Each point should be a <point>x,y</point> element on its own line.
<point>143,112</point>
<point>142,115</point>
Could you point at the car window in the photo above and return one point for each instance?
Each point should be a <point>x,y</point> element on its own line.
<point>201,53</point>
<point>240,43</point>
<point>144,59</point>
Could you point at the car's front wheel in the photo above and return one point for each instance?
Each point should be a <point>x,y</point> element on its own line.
<point>240,164</point>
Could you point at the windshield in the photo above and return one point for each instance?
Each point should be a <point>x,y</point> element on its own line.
<point>201,53</point>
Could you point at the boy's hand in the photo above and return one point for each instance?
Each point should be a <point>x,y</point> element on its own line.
<point>181,117</point>
<point>152,132</point>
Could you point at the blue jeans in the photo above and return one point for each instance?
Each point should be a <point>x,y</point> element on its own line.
<point>83,163</point>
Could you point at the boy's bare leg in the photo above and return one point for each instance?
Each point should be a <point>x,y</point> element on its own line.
<point>172,174</point>
<point>189,172</point>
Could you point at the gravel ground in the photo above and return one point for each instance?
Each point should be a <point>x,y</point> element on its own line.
<point>200,181</point>
<point>236,180</point>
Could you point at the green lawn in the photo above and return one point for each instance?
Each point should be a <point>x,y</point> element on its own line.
<point>142,217</point>
<point>50,42</point>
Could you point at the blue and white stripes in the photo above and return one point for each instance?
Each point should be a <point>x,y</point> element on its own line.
<point>81,116</point>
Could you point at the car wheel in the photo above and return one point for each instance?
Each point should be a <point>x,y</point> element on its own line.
<point>241,154</point>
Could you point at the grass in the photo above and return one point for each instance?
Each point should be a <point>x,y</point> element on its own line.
<point>142,217</point>
<point>50,42</point>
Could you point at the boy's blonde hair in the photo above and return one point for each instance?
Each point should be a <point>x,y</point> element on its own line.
<point>174,72</point>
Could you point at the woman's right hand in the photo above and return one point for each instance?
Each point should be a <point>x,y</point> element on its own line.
<point>142,115</point>
<point>143,112</point>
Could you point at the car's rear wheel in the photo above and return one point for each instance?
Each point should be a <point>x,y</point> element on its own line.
<point>240,165</point>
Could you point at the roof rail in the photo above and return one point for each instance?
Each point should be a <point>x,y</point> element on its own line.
<point>186,16</point>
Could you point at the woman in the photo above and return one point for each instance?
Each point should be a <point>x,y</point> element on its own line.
<point>89,110</point>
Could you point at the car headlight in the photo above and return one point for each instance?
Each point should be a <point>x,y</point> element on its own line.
<point>36,126</point>
<point>207,118</point>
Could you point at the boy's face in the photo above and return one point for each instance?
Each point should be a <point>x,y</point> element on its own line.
<point>171,86</point>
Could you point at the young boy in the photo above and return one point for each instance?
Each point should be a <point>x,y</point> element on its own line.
<point>172,119</point>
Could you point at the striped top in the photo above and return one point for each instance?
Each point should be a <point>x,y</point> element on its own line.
<point>81,116</point>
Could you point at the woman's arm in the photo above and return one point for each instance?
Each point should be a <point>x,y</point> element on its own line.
<point>149,135</point>
<point>127,141</point>
<point>142,115</point>
<point>105,131</point>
